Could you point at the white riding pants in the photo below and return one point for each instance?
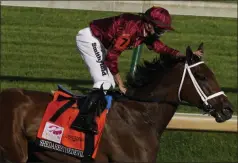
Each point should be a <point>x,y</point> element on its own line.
<point>93,53</point>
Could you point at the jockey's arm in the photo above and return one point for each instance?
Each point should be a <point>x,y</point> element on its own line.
<point>111,61</point>
<point>113,54</point>
<point>159,47</point>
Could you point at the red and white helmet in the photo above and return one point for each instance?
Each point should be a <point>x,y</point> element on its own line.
<point>160,17</point>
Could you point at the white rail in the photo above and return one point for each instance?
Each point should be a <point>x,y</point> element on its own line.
<point>199,122</point>
<point>198,8</point>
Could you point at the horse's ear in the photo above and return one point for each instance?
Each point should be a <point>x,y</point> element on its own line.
<point>201,47</point>
<point>189,54</point>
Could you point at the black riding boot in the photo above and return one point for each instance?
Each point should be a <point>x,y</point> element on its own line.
<point>85,121</point>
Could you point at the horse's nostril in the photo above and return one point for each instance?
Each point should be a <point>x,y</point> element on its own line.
<point>227,111</point>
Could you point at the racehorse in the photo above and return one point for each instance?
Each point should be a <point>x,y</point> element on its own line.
<point>134,125</point>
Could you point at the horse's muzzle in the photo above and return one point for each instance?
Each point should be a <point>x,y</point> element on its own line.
<point>225,113</point>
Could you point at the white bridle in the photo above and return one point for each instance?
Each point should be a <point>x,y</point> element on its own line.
<point>204,98</point>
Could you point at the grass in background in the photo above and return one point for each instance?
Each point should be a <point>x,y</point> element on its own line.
<point>41,43</point>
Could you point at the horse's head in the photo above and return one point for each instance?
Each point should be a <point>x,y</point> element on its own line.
<point>199,87</point>
<point>174,80</point>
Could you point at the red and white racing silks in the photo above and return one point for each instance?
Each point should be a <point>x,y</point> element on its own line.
<point>123,32</point>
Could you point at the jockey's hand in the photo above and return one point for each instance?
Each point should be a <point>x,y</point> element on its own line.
<point>119,82</point>
<point>198,53</point>
<point>180,55</point>
<point>122,89</point>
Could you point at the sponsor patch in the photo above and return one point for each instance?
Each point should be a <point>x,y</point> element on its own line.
<point>53,132</point>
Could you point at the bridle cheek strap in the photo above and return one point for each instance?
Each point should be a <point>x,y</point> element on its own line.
<point>200,92</point>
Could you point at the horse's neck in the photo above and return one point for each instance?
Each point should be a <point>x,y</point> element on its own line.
<point>165,114</point>
<point>158,115</point>
<point>166,95</point>
<point>152,115</point>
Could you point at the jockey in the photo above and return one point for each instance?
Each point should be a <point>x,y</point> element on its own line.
<point>101,44</point>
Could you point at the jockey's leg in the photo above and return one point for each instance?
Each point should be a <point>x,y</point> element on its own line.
<point>93,54</point>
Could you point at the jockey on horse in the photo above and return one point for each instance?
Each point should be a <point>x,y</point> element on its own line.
<point>101,44</point>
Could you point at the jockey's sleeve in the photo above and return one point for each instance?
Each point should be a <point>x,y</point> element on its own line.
<point>119,45</point>
<point>159,47</point>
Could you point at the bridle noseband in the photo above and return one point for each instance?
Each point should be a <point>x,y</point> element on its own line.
<point>204,98</point>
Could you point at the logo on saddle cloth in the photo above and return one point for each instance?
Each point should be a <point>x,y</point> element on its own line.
<point>52,132</point>
<point>55,133</point>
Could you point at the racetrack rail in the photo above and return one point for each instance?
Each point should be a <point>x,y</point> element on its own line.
<point>195,8</point>
<point>199,122</point>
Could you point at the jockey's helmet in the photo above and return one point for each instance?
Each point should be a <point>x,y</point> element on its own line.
<point>160,18</point>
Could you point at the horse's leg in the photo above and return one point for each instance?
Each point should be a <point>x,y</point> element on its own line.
<point>12,140</point>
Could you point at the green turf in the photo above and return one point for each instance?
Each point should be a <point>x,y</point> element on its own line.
<point>180,146</point>
<point>41,43</point>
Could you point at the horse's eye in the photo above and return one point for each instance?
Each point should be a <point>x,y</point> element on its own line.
<point>200,76</point>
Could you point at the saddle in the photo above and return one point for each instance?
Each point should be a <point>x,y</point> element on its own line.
<point>56,133</point>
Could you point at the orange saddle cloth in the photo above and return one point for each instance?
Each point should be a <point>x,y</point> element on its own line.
<point>55,133</point>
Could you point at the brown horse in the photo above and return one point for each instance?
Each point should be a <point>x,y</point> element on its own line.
<point>134,126</point>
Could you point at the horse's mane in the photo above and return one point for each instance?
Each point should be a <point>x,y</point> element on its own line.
<point>148,71</point>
